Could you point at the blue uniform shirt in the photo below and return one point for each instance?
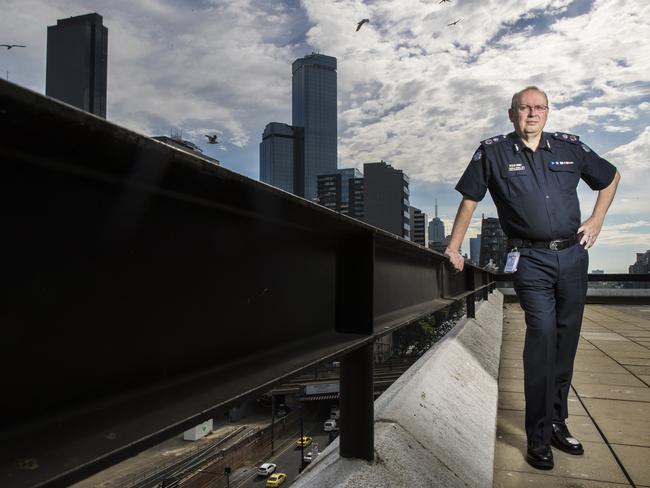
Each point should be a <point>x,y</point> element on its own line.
<point>535,191</point>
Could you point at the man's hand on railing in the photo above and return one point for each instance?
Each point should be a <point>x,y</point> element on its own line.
<point>457,261</point>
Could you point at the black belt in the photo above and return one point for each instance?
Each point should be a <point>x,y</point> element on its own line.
<point>556,244</point>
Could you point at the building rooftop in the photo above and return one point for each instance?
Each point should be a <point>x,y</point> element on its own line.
<point>609,405</point>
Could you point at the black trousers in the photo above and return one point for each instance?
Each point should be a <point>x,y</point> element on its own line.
<point>552,289</point>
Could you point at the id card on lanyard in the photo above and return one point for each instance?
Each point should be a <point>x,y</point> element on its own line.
<point>511,261</point>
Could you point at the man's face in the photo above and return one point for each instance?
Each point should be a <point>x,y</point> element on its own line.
<point>528,117</point>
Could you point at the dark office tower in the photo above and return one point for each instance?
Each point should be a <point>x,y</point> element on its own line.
<point>475,248</point>
<point>77,58</point>
<point>386,198</point>
<point>336,191</point>
<point>281,157</point>
<point>436,229</point>
<point>314,109</point>
<point>419,230</point>
<point>494,243</point>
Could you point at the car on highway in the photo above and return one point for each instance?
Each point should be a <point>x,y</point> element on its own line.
<point>266,469</point>
<point>303,441</point>
<point>276,479</point>
<point>308,457</point>
<point>330,424</point>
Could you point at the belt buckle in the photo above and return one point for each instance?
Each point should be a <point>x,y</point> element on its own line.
<point>553,245</point>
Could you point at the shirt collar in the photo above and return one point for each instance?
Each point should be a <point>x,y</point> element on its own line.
<point>517,145</point>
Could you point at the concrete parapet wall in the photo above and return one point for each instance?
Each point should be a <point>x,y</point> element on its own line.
<point>436,425</point>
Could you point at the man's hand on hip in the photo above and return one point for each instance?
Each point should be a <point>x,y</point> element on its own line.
<point>457,261</point>
<point>590,229</point>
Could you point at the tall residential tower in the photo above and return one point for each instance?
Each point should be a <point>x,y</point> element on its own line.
<point>77,60</point>
<point>314,109</point>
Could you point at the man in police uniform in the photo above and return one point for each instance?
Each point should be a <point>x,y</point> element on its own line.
<point>532,176</point>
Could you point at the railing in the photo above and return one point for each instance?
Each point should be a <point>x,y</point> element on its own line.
<point>146,290</point>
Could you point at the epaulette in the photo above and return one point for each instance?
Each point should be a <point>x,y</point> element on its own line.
<point>493,140</point>
<point>561,136</point>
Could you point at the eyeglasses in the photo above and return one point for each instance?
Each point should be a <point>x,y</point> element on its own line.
<point>529,108</point>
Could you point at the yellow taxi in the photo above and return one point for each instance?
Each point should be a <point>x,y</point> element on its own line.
<point>303,441</point>
<point>276,479</point>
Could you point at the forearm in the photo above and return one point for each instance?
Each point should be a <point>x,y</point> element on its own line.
<point>461,222</point>
<point>605,198</point>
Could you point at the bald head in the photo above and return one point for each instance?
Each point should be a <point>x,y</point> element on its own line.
<point>516,98</point>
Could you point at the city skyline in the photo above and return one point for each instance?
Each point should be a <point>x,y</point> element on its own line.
<point>411,91</point>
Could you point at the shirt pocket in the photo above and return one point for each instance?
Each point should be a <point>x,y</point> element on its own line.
<point>517,182</point>
<point>566,175</point>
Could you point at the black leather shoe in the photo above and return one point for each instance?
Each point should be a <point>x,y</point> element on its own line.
<point>564,441</point>
<point>540,457</point>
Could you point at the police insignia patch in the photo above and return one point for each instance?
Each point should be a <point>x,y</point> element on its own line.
<point>573,138</point>
<point>488,141</point>
<point>477,155</point>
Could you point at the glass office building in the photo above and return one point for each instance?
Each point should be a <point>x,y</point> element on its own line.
<point>281,157</point>
<point>314,109</point>
<point>342,191</point>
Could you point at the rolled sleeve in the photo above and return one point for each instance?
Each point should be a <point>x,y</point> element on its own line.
<point>597,172</point>
<point>474,182</point>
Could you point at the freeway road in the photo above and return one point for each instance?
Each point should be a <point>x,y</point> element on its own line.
<point>287,457</point>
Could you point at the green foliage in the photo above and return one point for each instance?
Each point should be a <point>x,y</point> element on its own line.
<point>418,337</point>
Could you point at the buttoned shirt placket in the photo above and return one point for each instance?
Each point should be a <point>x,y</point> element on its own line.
<point>539,170</point>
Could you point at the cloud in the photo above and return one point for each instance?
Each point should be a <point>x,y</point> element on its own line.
<point>222,65</point>
<point>411,90</point>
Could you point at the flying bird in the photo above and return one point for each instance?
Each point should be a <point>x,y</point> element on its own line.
<point>444,1</point>
<point>212,139</point>
<point>454,22</point>
<point>9,46</point>
<point>363,21</point>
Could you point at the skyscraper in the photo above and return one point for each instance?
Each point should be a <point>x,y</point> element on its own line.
<point>419,229</point>
<point>436,229</point>
<point>386,198</point>
<point>314,109</point>
<point>281,157</point>
<point>77,60</point>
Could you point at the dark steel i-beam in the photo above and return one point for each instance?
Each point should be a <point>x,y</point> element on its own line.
<point>357,413</point>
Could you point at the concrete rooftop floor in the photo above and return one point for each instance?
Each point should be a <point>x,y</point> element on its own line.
<point>609,405</point>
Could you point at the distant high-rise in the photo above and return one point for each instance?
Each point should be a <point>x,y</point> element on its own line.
<point>436,229</point>
<point>419,229</point>
<point>475,248</point>
<point>281,157</point>
<point>314,109</point>
<point>494,243</point>
<point>77,61</point>
<point>342,191</point>
<point>642,265</point>
<point>386,198</point>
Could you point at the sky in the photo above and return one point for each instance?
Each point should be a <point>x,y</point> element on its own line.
<point>412,91</point>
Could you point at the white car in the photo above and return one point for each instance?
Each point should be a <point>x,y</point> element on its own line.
<point>330,425</point>
<point>308,457</point>
<point>266,469</point>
